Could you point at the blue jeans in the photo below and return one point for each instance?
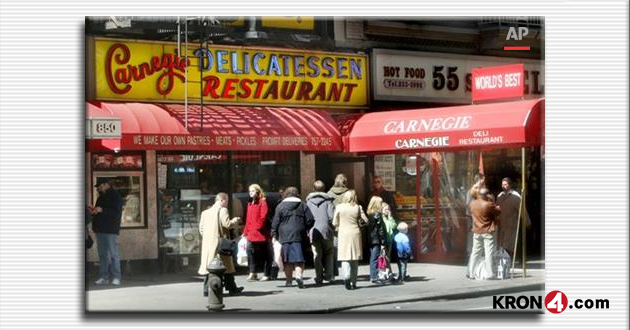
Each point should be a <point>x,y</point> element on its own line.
<point>402,268</point>
<point>375,251</point>
<point>108,255</point>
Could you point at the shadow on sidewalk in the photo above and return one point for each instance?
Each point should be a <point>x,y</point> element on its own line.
<point>246,293</point>
<point>146,280</point>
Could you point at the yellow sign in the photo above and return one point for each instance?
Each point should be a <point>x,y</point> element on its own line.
<point>289,22</point>
<point>152,71</point>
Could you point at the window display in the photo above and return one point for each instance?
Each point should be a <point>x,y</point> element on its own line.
<point>187,185</point>
<point>130,185</point>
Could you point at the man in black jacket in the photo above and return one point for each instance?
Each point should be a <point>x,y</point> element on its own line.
<point>106,224</point>
<point>290,224</point>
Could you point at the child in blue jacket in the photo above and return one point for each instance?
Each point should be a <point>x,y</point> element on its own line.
<point>404,250</point>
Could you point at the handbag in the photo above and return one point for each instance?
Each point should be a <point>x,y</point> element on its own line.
<point>89,242</point>
<point>226,246</point>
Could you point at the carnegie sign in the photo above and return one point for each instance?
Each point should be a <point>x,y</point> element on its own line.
<point>151,71</point>
<point>441,78</point>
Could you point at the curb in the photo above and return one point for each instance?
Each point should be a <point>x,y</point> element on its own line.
<point>454,295</point>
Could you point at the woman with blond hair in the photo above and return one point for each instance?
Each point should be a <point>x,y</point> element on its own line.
<point>347,220</point>
<point>257,235</point>
<point>376,234</point>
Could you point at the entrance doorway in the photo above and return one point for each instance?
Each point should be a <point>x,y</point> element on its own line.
<point>356,169</point>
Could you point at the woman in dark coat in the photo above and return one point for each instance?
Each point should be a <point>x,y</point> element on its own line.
<point>376,234</point>
<point>291,222</point>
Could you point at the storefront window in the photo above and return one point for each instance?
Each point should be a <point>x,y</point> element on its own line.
<point>273,171</point>
<point>437,182</point>
<point>126,174</point>
<point>187,185</point>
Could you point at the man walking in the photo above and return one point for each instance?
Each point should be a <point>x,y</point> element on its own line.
<point>484,214</point>
<point>106,224</point>
<point>322,234</point>
<point>509,201</point>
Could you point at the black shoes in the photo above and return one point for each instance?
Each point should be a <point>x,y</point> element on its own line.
<point>300,283</point>
<point>236,292</point>
<point>349,285</point>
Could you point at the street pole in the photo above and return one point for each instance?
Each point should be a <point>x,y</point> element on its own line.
<point>522,210</point>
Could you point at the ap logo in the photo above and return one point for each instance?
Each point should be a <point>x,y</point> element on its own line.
<point>522,31</point>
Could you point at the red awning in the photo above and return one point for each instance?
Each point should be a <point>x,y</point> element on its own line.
<point>507,124</point>
<point>162,127</point>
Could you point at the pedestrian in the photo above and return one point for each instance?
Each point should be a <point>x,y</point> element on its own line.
<point>257,234</point>
<point>215,224</point>
<point>339,188</point>
<point>348,220</point>
<point>107,213</point>
<point>509,201</point>
<point>376,234</point>
<point>403,248</point>
<point>390,225</point>
<point>470,196</point>
<point>273,203</point>
<point>485,220</point>
<point>384,194</point>
<point>322,233</point>
<point>290,224</point>
<point>88,240</point>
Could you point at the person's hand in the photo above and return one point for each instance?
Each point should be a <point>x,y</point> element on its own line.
<point>98,209</point>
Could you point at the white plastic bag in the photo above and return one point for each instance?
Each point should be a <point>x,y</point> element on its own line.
<point>241,255</point>
<point>502,261</point>
<point>277,254</point>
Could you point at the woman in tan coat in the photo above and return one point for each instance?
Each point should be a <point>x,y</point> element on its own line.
<point>213,225</point>
<point>348,219</point>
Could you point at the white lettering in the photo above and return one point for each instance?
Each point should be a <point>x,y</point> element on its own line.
<point>428,142</point>
<point>427,125</point>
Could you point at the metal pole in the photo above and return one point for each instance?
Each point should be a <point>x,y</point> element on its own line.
<point>201,45</point>
<point>186,78</point>
<point>523,210</point>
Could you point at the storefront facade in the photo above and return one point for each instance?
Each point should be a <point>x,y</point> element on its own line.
<point>281,117</point>
<point>246,115</point>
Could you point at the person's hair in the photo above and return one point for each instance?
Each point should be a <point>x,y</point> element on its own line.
<point>221,196</point>
<point>508,180</point>
<point>319,186</point>
<point>261,193</point>
<point>291,192</point>
<point>341,180</point>
<point>402,227</point>
<point>385,205</point>
<point>375,205</point>
<point>483,192</point>
<point>350,197</point>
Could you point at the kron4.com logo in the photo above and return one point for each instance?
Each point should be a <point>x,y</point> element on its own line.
<point>555,301</point>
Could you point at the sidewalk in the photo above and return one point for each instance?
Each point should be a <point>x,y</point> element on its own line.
<point>183,292</point>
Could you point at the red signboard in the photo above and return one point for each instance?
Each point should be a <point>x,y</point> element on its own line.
<point>498,82</point>
<point>451,128</point>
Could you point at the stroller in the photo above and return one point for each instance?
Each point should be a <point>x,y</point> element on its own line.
<point>384,269</point>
